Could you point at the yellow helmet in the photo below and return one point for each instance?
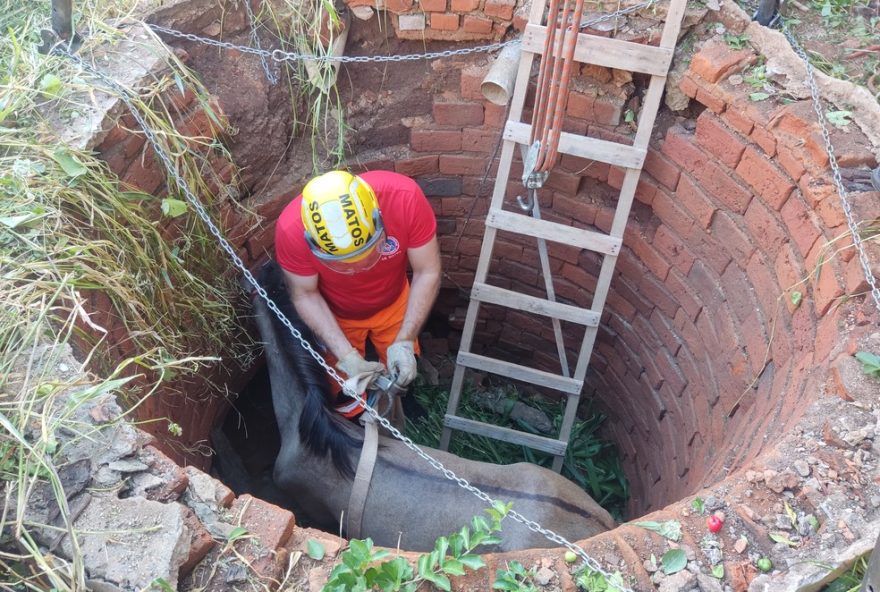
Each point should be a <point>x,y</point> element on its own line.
<point>342,221</point>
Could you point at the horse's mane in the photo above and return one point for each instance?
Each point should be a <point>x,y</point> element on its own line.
<point>320,428</point>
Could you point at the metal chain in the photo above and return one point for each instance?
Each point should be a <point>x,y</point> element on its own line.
<point>279,55</point>
<point>835,168</point>
<point>125,96</point>
<point>255,37</point>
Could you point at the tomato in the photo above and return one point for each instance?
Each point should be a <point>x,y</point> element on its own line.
<point>714,523</point>
<point>765,564</point>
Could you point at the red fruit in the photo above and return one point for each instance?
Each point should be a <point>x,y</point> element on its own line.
<point>714,523</point>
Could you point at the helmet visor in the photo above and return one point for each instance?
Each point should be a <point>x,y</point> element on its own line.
<point>361,260</point>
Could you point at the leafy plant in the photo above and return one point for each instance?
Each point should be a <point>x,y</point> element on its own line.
<point>851,580</point>
<point>515,578</point>
<point>698,505</point>
<point>870,363</point>
<point>590,580</point>
<point>673,561</point>
<point>669,529</point>
<point>736,41</point>
<point>590,462</point>
<point>363,567</point>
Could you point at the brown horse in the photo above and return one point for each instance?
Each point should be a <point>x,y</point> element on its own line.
<point>409,503</point>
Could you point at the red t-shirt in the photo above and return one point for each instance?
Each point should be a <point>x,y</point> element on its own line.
<point>409,223</point>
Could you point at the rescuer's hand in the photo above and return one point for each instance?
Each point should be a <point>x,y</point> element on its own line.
<point>360,372</point>
<point>402,361</point>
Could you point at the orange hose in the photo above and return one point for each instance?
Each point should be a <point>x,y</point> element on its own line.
<point>554,79</point>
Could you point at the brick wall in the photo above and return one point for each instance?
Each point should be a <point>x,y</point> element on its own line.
<point>449,20</point>
<point>701,350</point>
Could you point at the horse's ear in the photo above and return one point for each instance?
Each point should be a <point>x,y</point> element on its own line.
<point>320,431</point>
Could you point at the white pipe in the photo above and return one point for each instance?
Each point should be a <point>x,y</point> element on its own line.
<point>498,84</point>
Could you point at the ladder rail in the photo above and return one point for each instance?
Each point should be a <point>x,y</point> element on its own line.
<point>652,60</point>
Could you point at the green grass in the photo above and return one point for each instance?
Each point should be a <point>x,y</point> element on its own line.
<point>590,461</point>
<point>850,581</point>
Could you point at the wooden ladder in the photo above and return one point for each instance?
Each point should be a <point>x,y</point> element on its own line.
<point>590,49</point>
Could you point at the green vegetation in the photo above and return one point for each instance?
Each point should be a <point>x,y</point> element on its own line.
<point>590,462</point>
<point>851,581</point>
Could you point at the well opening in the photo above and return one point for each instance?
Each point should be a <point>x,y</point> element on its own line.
<point>681,365</point>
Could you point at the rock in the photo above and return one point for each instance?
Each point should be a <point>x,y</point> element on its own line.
<point>544,576</point>
<point>740,545</point>
<point>127,466</point>
<point>782,481</point>
<point>708,583</point>
<point>688,552</point>
<point>802,468</point>
<point>131,542</point>
<point>649,566</point>
<point>677,582</point>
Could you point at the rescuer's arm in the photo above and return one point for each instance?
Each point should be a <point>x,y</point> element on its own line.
<point>313,309</point>
<point>425,262</point>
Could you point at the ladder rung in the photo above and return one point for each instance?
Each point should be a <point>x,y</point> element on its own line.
<point>594,149</point>
<point>553,231</point>
<point>517,372</point>
<point>555,447</point>
<point>541,306</point>
<point>603,51</point>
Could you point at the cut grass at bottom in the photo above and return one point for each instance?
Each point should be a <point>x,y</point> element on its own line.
<point>851,581</point>
<point>590,462</point>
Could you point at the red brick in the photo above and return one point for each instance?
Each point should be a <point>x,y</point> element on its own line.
<point>711,101</point>
<point>717,138</point>
<point>655,292</point>
<point>789,273</point>
<point>580,105</point>
<point>764,176</point>
<point>680,148</point>
<point>502,9</point>
<point>608,110</point>
<point>766,230</point>
<point>414,167</point>
<point>855,278</point>
<point>815,190</point>
<point>477,24</point>
<point>736,242</point>
<point>670,213</point>
<point>688,86</point>
<point>719,183</point>
<point>261,241</point>
<point>458,113</point>
<point>716,60</point>
<point>560,181</point>
<point>674,249</point>
<point>451,164</point>
<point>801,223</point>
<point>662,169</point>
<point>765,140</point>
<point>494,115</point>
<point>826,286</point>
<point>433,5</point>
<point>427,140</point>
<point>792,164</point>
<point>737,293</point>
<point>200,543</point>
<point>271,525</point>
<point>695,200</point>
<point>830,212</point>
<point>144,173</point>
<point>764,282</point>
<point>575,208</point>
<point>444,21</point>
<point>680,290</point>
<point>795,121</point>
<point>465,5</point>
<point>738,120</point>
<point>479,140</point>
<point>652,259</point>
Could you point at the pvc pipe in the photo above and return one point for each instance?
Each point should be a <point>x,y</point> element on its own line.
<point>498,84</point>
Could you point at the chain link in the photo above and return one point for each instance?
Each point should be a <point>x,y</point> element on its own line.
<point>279,55</point>
<point>271,76</point>
<point>124,95</point>
<point>835,168</point>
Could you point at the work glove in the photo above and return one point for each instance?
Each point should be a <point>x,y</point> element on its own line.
<point>402,361</point>
<point>360,372</point>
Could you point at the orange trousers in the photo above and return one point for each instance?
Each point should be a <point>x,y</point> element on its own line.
<point>381,329</point>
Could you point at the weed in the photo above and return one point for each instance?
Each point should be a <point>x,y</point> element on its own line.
<point>360,567</point>
<point>740,41</point>
<point>870,363</point>
<point>589,461</point>
<point>851,581</point>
